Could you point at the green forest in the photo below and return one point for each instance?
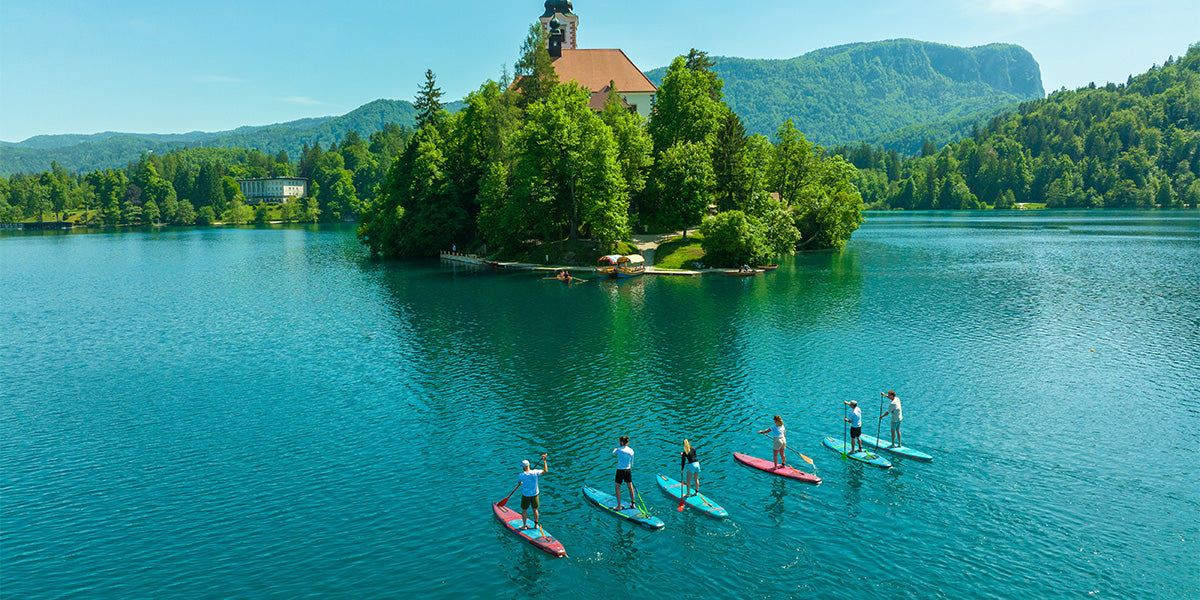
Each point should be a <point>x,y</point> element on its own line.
<point>1129,145</point>
<point>197,186</point>
<point>893,93</point>
<point>83,153</point>
<point>865,91</point>
<point>528,164</point>
<point>525,163</point>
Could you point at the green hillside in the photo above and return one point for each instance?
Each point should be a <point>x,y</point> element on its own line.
<point>867,91</point>
<point>84,153</point>
<point>1130,145</point>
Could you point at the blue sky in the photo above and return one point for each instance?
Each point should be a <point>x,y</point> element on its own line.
<point>69,66</point>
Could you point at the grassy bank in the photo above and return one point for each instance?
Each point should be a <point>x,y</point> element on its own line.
<point>677,253</point>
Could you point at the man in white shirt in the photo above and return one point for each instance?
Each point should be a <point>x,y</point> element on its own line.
<point>624,470</point>
<point>529,490</point>
<point>855,422</point>
<point>897,416</point>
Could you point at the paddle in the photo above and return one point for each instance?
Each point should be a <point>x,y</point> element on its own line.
<point>641,503</point>
<point>681,498</point>
<point>844,422</point>
<point>505,500</point>
<point>802,456</point>
<point>880,423</point>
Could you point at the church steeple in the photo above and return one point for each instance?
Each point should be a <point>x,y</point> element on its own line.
<point>562,7</point>
<point>563,12</point>
<point>556,38</point>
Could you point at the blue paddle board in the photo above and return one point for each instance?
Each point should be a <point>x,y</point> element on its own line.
<point>904,451</point>
<point>695,500</point>
<point>607,502</point>
<point>861,456</point>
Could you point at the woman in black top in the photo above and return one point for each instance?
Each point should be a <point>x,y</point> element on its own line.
<point>691,466</point>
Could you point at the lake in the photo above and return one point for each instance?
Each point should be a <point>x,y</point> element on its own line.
<point>267,413</point>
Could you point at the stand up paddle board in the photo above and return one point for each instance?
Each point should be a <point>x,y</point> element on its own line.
<point>768,466</point>
<point>861,456</point>
<point>695,500</point>
<point>904,451</point>
<point>630,513</point>
<point>534,535</point>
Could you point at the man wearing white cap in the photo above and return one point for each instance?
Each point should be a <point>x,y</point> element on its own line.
<point>529,490</point>
<point>855,422</point>
<point>897,417</point>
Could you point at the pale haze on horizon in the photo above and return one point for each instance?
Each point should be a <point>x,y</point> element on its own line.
<point>68,66</point>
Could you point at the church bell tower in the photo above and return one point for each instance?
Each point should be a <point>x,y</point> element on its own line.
<point>568,22</point>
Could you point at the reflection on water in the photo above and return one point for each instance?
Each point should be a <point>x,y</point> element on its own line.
<point>203,407</point>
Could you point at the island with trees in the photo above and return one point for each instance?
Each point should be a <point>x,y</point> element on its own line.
<point>528,163</point>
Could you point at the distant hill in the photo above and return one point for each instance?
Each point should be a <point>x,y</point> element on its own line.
<point>1122,145</point>
<point>893,93</point>
<point>83,153</point>
<point>867,91</point>
<point>909,140</point>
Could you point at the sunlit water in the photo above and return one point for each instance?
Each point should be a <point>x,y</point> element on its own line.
<point>266,413</point>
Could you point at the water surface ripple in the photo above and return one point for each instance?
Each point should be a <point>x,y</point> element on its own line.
<point>267,413</point>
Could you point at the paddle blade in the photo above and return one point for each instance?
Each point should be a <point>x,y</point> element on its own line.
<point>502,502</point>
<point>680,509</point>
<point>806,459</point>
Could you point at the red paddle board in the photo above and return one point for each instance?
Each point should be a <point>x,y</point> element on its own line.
<point>533,535</point>
<point>768,466</point>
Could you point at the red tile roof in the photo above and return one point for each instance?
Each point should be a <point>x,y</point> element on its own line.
<point>593,69</point>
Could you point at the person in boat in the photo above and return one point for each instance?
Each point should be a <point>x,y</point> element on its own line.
<point>624,470</point>
<point>563,275</point>
<point>690,466</point>
<point>744,268</point>
<point>529,490</point>
<point>779,447</point>
<point>897,416</point>
<point>855,421</point>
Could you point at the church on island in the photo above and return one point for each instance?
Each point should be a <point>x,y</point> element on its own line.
<point>593,69</point>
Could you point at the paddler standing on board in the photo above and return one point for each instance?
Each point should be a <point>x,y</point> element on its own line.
<point>855,421</point>
<point>897,416</point>
<point>624,470</point>
<point>778,448</point>
<point>529,490</point>
<point>690,465</point>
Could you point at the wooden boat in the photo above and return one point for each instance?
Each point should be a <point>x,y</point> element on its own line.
<point>631,265</point>
<point>607,266</point>
<point>769,267</point>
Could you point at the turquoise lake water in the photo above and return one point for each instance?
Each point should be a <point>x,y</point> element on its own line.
<point>266,413</point>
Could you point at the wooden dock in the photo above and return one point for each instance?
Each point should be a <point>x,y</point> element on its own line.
<point>473,260</point>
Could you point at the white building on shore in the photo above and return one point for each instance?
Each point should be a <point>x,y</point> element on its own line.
<point>273,190</point>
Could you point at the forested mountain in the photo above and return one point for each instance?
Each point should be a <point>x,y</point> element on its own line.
<point>864,91</point>
<point>82,153</point>
<point>190,186</point>
<point>1130,145</point>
